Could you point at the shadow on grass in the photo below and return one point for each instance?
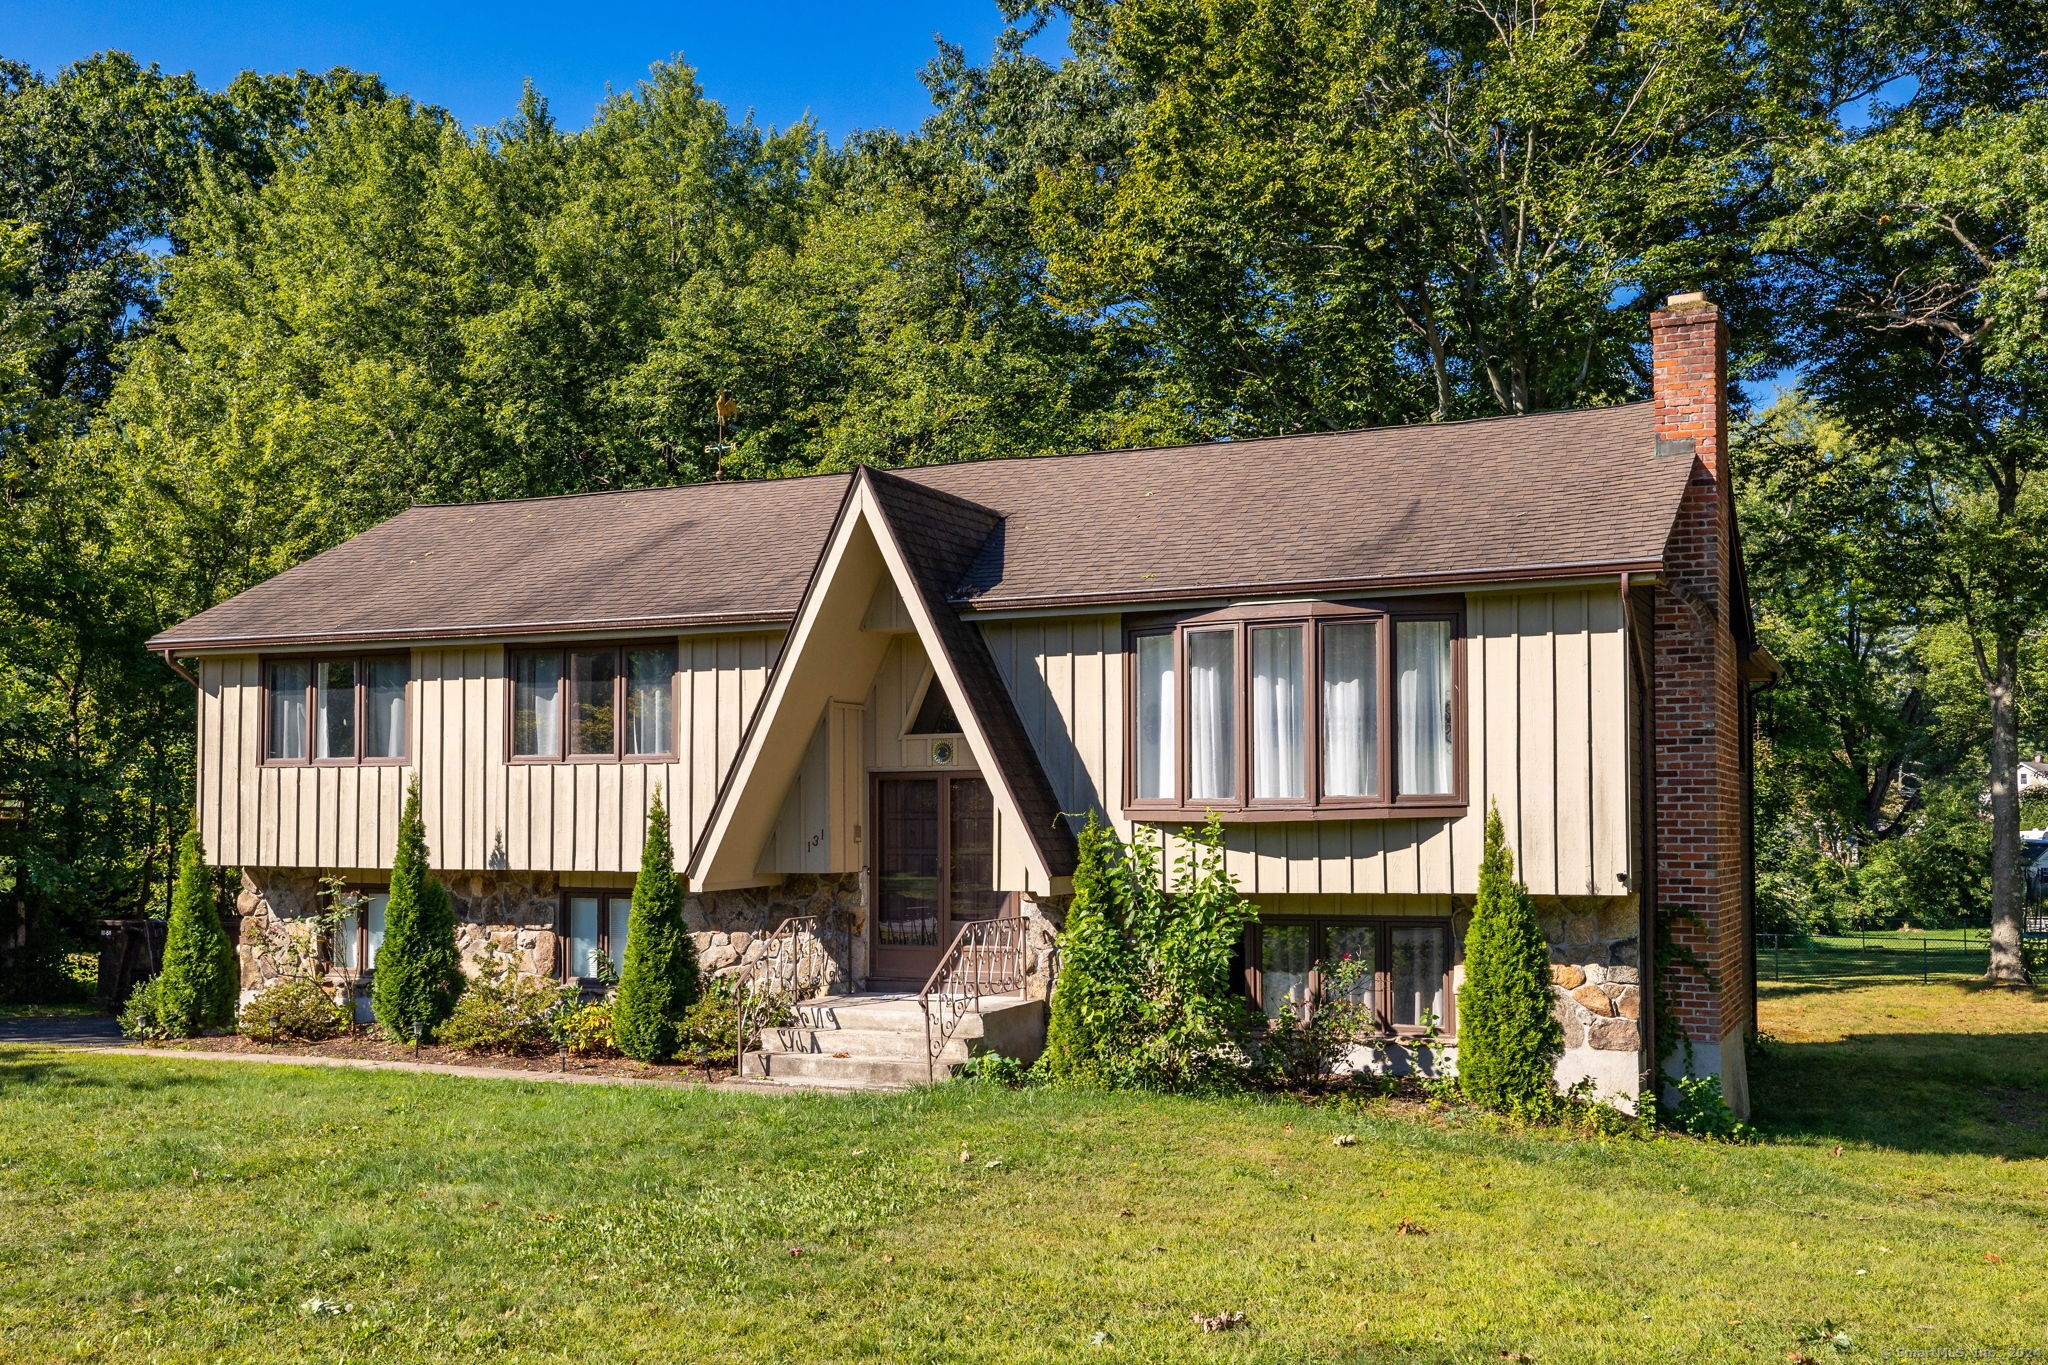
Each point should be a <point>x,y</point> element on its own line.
<point>23,1066</point>
<point>1955,1093</point>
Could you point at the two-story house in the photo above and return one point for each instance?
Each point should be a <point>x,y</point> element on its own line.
<point>886,698</point>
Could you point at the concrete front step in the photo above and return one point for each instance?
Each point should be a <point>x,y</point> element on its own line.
<point>877,1042</point>
<point>902,1044</point>
<point>840,1073</point>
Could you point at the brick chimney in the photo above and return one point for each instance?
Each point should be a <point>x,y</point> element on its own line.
<point>1700,717</point>
<point>1689,379</point>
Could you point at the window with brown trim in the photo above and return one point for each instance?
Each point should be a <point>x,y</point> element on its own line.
<point>1290,961</point>
<point>592,929</point>
<point>599,703</point>
<point>336,708</point>
<point>1292,711</point>
<point>352,945</point>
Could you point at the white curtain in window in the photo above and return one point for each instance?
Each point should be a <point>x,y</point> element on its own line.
<point>536,704</point>
<point>1212,714</point>
<point>334,701</point>
<point>1416,974</point>
<point>1351,714</point>
<point>1156,775</point>
<point>384,708</point>
<point>650,700</point>
<point>1283,968</point>
<point>288,709</point>
<point>345,944</point>
<point>621,915</point>
<point>1278,741</point>
<point>1422,661</point>
<point>583,935</point>
<point>373,910</point>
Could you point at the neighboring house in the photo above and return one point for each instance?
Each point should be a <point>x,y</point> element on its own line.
<point>885,698</point>
<point>2033,773</point>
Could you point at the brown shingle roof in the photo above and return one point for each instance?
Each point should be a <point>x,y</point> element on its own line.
<point>1501,497</point>
<point>1460,501</point>
<point>699,554</point>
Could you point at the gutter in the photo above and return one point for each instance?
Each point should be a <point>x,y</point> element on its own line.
<point>170,659</point>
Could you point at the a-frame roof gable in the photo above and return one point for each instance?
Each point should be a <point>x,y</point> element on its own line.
<point>921,540</point>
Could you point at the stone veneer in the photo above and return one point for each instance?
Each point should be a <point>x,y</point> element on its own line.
<point>515,915</point>
<point>1596,978</point>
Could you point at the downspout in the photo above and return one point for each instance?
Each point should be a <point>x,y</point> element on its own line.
<point>1642,691</point>
<point>171,662</point>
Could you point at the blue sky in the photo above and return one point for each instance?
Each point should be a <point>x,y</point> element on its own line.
<point>848,65</point>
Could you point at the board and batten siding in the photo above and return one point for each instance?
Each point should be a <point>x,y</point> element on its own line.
<point>1547,740</point>
<point>481,812</point>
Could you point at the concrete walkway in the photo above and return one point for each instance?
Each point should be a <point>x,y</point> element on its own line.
<point>97,1033</point>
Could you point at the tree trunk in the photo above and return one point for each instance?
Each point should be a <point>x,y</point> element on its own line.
<point>2007,910</point>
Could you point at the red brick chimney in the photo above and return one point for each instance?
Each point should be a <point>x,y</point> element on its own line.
<point>1701,787</point>
<point>1689,379</point>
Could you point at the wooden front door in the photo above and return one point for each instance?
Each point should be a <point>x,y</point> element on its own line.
<point>935,867</point>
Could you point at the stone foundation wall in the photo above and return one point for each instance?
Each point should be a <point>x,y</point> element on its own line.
<point>514,916</point>
<point>1596,977</point>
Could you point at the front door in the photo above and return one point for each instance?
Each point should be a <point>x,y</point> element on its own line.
<point>935,868</point>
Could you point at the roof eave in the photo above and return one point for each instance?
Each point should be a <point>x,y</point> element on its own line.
<point>499,631</point>
<point>1521,573</point>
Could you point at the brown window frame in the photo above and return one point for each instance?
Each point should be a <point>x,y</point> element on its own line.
<point>513,653</point>
<point>604,896</point>
<point>362,933</point>
<point>267,662</point>
<point>1383,982</point>
<point>1311,618</point>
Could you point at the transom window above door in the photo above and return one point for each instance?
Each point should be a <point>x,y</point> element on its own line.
<point>1291,711</point>
<point>335,710</point>
<point>602,703</point>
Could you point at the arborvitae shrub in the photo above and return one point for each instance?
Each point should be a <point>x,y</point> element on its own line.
<point>1509,1039</point>
<point>418,975</point>
<point>1094,999</point>
<point>197,987</point>
<point>659,982</point>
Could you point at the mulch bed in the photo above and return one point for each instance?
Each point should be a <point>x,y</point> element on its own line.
<point>362,1047</point>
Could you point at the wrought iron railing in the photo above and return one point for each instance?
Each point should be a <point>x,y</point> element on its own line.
<point>795,964</point>
<point>987,957</point>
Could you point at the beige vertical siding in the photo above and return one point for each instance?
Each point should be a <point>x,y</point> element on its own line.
<point>480,811</point>
<point>1547,738</point>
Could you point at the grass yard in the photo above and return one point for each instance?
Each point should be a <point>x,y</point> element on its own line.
<point>180,1210</point>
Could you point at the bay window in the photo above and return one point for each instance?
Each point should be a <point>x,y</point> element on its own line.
<point>1407,983</point>
<point>599,703</point>
<point>1280,711</point>
<point>335,710</point>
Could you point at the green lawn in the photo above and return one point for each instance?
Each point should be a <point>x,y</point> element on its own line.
<point>180,1210</point>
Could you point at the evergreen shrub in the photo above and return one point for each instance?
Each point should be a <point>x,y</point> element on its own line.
<point>419,968</point>
<point>1509,1038</point>
<point>659,981</point>
<point>197,988</point>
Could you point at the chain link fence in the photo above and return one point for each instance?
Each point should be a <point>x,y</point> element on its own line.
<point>1932,955</point>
